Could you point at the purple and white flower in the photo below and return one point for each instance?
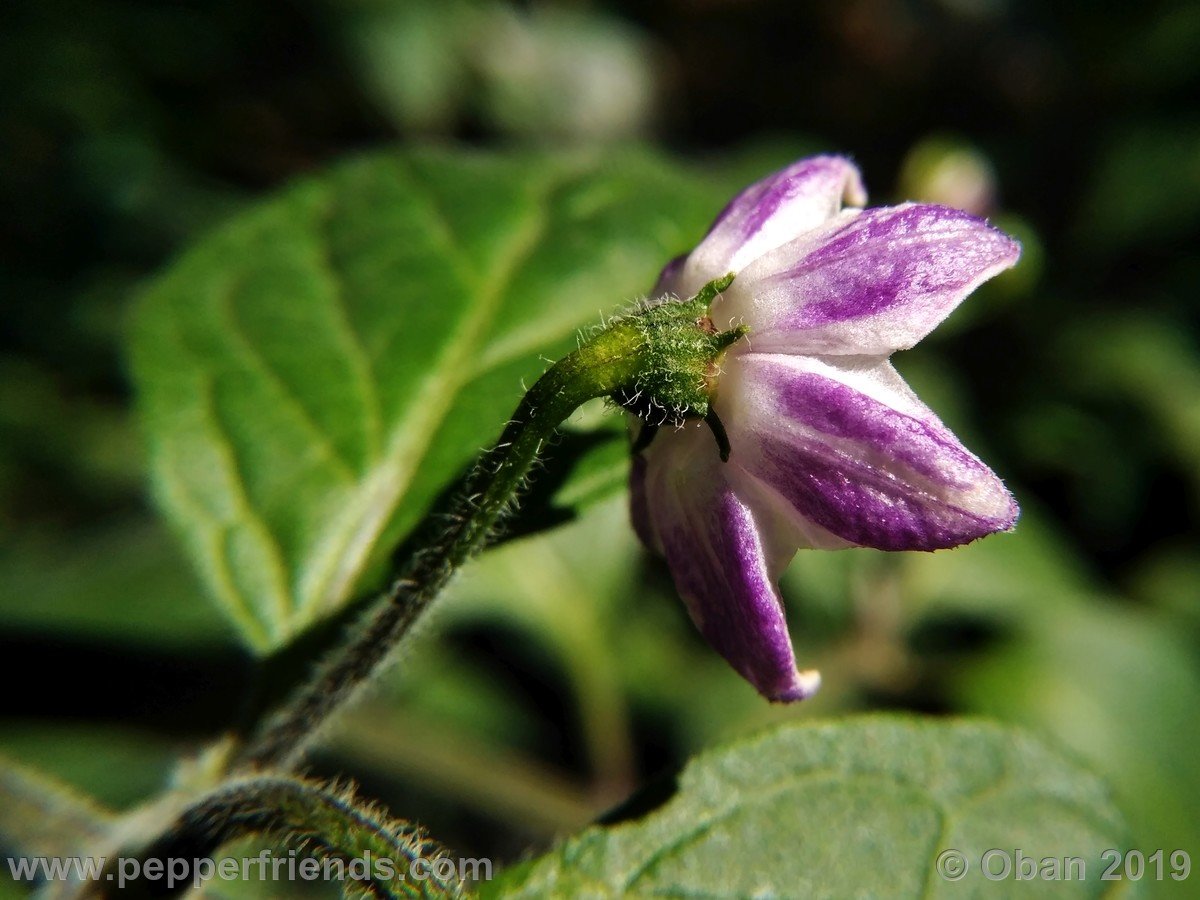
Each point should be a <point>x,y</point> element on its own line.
<point>830,448</point>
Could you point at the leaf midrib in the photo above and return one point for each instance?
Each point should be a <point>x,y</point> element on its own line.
<point>339,559</point>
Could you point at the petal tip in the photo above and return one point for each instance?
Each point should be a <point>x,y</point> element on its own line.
<point>854,192</point>
<point>1013,513</point>
<point>801,686</point>
<point>1010,253</point>
<point>1001,512</point>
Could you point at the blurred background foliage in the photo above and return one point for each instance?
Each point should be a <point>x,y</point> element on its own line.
<point>563,671</point>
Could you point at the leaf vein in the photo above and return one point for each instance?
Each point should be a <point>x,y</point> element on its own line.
<point>347,551</point>
<point>357,357</point>
<point>279,608</point>
<point>237,333</point>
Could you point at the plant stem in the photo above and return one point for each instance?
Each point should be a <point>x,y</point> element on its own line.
<point>610,361</point>
<point>321,822</point>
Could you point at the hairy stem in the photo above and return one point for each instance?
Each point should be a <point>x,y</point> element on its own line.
<point>327,824</point>
<point>608,362</point>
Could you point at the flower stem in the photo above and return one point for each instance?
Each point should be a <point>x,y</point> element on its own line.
<point>608,362</point>
<point>327,824</point>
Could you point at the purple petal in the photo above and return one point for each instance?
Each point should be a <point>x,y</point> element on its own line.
<point>724,562</point>
<point>870,283</point>
<point>772,212</point>
<point>850,449</point>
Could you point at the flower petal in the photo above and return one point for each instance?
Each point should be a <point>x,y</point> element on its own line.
<point>849,448</point>
<point>725,558</point>
<point>869,283</point>
<point>772,212</point>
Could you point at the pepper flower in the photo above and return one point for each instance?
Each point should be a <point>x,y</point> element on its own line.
<point>826,445</point>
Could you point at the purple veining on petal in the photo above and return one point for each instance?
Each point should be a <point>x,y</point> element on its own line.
<point>776,210</point>
<point>757,204</point>
<point>716,558</point>
<point>900,269</point>
<point>714,548</point>
<point>899,256</point>
<point>815,177</point>
<point>863,470</point>
<point>865,507</point>
<point>838,410</point>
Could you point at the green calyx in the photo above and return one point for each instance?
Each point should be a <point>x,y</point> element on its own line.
<point>679,352</point>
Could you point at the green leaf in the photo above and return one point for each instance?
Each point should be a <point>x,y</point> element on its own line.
<point>118,766</point>
<point>855,808</point>
<point>312,375</point>
<point>44,816</point>
<point>1118,687</point>
<point>126,583</point>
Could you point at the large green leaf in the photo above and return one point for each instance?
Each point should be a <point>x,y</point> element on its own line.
<point>1119,688</point>
<point>126,583</point>
<point>312,375</point>
<point>860,808</point>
